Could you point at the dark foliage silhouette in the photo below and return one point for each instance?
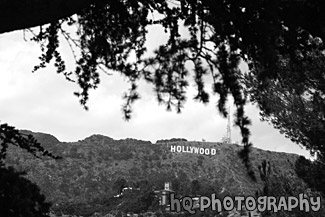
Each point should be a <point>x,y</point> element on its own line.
<point>19,196</point>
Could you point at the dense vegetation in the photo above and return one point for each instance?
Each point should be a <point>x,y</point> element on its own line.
<point>19,196</point>
<point>94,170</point>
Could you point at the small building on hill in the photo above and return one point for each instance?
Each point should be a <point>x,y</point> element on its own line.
<point>164,195</point>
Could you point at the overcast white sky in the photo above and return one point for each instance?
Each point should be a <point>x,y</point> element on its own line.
<point>44,102</point>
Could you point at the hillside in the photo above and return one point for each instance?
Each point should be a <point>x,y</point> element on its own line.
<point>91,170</point>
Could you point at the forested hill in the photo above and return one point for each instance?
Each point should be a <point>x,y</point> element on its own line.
<point>96,168</point>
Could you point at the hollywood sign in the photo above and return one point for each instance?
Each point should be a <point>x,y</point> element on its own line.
<point>194,150</point>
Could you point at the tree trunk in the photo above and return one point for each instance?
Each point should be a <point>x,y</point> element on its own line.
<point>22,14</point>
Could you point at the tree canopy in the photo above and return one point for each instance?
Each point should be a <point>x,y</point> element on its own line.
<point>273,37</point>
<point>294,102</point>
<point>19,196</point>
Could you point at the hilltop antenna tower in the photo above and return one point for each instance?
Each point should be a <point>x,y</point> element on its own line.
<point>227,137</point>
<point>228,127</point>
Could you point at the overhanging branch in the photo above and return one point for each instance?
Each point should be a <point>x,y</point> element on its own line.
<point>22,14</point>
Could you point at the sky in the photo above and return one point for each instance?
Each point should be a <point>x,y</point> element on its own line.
<point>44,102</point>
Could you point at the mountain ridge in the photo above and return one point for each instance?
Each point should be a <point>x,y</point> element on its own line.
<point>90,169</point>
<point>40,137</point>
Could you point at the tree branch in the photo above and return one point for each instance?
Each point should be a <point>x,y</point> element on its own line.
<point>22,14</point>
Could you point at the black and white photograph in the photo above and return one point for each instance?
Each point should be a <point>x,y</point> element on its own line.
<point>162,108</point>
